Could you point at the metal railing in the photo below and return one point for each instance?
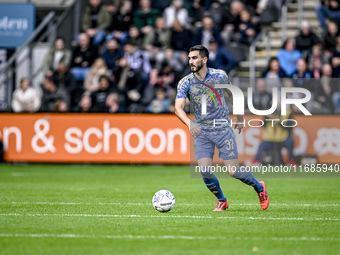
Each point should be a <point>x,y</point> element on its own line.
<point>284,16</point>
<point>252,54</point>
<point>47,29</point>
<point>9,69</point>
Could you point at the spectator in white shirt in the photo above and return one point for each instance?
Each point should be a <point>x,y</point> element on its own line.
<point>25,98</point>
<point>176,11</point>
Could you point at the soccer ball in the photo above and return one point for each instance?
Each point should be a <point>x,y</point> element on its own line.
<point>163,200</point>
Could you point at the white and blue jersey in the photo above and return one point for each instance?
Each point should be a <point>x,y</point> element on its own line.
<point>216,108</point>
<point>222,135</point>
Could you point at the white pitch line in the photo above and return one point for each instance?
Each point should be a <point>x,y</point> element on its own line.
<point>170,237</point>
<point>162,216</point>
<point>184,204</point>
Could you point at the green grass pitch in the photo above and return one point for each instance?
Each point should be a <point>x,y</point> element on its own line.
<point>107,209</point>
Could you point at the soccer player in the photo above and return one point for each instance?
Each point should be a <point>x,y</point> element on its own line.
<point>201,84</point>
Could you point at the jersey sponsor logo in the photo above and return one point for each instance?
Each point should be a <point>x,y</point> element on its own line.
<point>231,154</point>
<point>210,94</point>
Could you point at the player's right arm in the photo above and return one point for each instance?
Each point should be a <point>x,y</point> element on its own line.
<point>195,130</point>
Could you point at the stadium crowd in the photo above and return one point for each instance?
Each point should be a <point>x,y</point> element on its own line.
<point>131,54</point>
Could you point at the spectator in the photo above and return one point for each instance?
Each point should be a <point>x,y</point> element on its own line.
<point>58,53</point>
<point>161,103</point>
<point>288,57</point>
<point>316,61</point>
<point>335,86</point>
<point>160,5</point>
<point>111,53</point>
<point>219,57</point>
<point>129,82</point>
<point>137,60</point>
<point>232,21</point>
<point>113,103</point>
<point>54,98</point>
<point>325,90</point>
<point>98,69</point>
<point>335,60</point>
<point>328,9</point>
<point>85,104</point>
<point>203,35</point>
<point>25,98</point>
<point>135,37</point>
<point>306,39</point>
<point>96,20</point>
<point>82,59</point>
<point>145,17</point>
<point>157,41</point>
<point>248,30</point>
<point>274,69</point>
<point>179,35</point>
<point>302,75</point>
<point>123,18</point>
<point>176,11</point>
<point>303,78</point>
<point>329,39</point>
<point>64,79</point>
<point>99,96</point>
<point>268,11</point>
<point>273,74</point>
<point>262,99</point>
<point>174,61</point>
<point>288,83</point>
<point>198,8</point>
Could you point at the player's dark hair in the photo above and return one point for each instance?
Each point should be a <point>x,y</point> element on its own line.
<point>203,51</point>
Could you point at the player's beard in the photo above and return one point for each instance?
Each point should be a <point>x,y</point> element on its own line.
<point>197,67</point>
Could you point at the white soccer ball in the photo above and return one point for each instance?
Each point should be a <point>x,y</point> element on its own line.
<point>163,200</point>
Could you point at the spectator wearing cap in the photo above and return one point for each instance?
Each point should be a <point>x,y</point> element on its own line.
<point>328,9</point>
<point>96,20</point>
<point>176,11</point>
<point>25,98</point>
<point>219,57</point>
<point>306,39</point>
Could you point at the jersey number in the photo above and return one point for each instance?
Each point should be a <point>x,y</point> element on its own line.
<point>230,144</point>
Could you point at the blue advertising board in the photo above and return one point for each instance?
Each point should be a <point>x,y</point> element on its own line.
<point>17,22</point>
